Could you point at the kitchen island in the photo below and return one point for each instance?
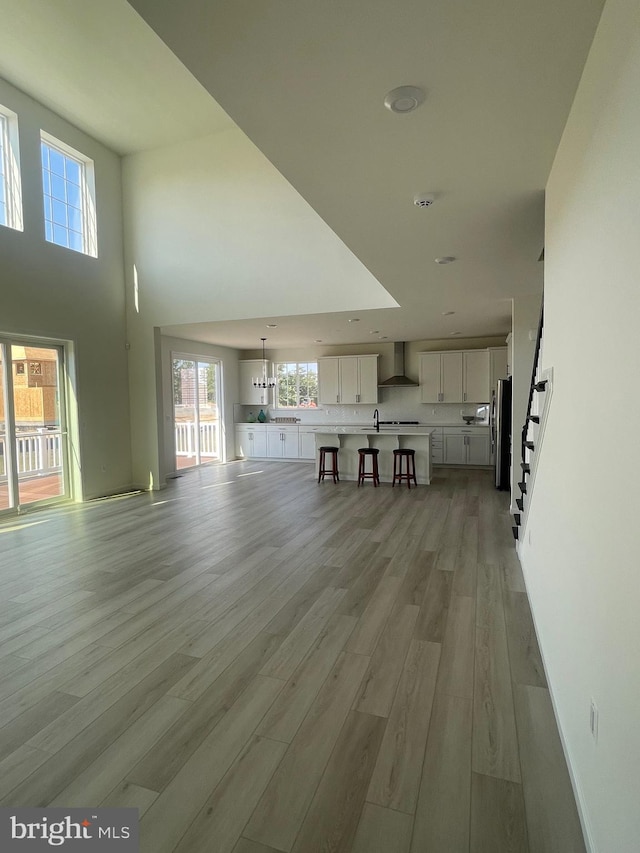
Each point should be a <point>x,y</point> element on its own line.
<point>350,438</point>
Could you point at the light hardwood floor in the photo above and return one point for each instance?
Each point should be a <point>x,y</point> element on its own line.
<point>259,663</point>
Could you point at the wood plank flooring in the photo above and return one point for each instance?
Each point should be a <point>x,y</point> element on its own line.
<point>262,664</point>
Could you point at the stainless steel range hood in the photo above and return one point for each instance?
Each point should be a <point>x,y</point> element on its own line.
<point>398,380</point>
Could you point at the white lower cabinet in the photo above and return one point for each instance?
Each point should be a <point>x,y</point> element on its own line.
<point>306,443</point>
<point>274,441</point>
<point>251,440</point>
<point>282,442</point>
<point>437,448</point>
<point>455,449</point>
<point>466,446</point>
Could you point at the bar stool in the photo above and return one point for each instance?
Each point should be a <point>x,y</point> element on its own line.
<point>322,467</point>
<point>362,473</point>
<point>410,474</point>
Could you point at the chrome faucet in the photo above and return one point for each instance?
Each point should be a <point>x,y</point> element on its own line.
<point>376,420</point>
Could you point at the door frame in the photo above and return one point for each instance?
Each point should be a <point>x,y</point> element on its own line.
<point>196,359</point>
<point>7,340</point>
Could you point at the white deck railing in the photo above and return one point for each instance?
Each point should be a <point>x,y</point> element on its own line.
<point>38,454</point>
<point>186,439</point>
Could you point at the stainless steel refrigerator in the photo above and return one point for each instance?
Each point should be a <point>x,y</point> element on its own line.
<point>501,433</point>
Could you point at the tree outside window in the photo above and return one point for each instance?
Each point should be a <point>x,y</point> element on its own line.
<point>297,385</point>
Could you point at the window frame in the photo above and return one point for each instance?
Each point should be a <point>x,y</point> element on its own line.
<point>277,403</point>
<point>12,179</point>
<point>87,195</point>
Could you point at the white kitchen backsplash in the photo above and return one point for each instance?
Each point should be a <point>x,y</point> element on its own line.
<point>396,404</point>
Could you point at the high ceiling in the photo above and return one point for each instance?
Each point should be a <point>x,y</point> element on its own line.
<point>306,82</point>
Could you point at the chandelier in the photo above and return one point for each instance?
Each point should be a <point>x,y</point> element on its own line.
<point>264,381</point>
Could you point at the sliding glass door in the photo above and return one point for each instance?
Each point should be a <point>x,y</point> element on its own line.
<point>32,426</point>
<point>196,408</point>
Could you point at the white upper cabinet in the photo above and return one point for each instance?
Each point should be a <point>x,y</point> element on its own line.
<point>328,380</point>
<point>441,377</point>
<point>348,379</point>
<point>452,377</point>
<point>455,377</point>
<point>431,377</point>
<point>476,377</point>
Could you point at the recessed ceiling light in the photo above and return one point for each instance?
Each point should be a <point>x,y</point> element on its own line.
<point>383,337</point>
<point>272,325</point>
<point>374,332</point>
<point>446,259</point>
<point>317,341</point>
<point>455,333</point>
<point>404,99</point>
<point>355,320</point>
<point>447,313</point>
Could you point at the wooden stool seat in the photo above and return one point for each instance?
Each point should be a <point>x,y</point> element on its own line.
<point>363,474</point>
<point>410,473</point>
<point>332,452</point>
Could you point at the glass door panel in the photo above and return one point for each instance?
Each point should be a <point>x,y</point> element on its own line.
<point>5,484</point>
<point>39,433</point>
<point>196,411</point>
<point>208,411</point>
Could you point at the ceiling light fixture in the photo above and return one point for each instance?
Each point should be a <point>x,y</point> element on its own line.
<point>272,325</point>
<point>447,313</point>
<point>446,259</point>
<point>404,99</point>
<point>355,320</point>
<point>455,333</point>
<point>264,381</point>
<point>374,332</point>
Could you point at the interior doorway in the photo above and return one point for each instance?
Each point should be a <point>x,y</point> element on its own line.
<point>196,410</point>
<point>33,433</point>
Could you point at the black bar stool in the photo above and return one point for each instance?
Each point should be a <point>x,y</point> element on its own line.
<point>363,474</point>
<point>410,474</point>
<point>322,467</point>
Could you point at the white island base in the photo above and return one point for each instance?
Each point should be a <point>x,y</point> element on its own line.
<point>350,440</point>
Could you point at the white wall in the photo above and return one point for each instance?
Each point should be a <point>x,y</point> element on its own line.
<point>582,565</point>
<point>229,367</point>
<point>53,292</point>
<point>215,233</point>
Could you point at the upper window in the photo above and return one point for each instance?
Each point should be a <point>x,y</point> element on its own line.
<point>69,197</point>
<point>297,385</point>
<point>10,189</point>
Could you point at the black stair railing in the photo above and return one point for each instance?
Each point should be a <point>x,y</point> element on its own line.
<point>525,443</point>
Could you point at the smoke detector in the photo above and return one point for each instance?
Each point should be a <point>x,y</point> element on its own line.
<point>424,199</point>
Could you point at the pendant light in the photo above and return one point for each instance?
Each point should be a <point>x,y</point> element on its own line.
<point>264,381</point>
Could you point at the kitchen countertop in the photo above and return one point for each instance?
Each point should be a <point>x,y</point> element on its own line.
<point>403,429</point>
<point>355,429</point>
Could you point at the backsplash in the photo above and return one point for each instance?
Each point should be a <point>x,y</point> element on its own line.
<point>396,404</point>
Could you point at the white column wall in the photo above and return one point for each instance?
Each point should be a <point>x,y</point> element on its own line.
<point>582,567</point>
<point>229,368</point>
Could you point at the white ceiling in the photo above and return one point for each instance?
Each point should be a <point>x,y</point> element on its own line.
<point>305,81</point>
<point>98,65</point>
